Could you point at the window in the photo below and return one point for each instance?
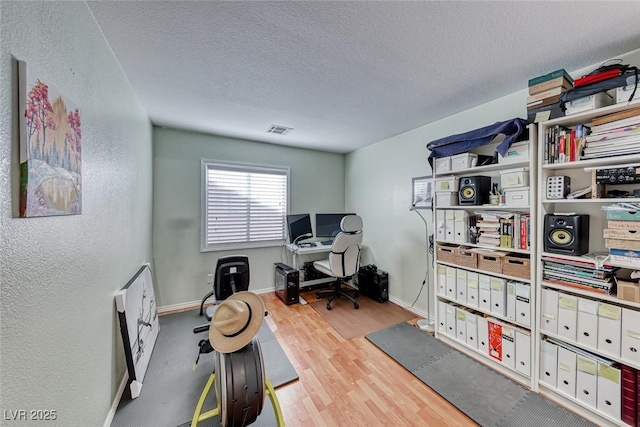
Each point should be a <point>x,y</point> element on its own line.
<point>243,205</point>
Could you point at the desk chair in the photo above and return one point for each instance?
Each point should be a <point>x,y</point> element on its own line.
<point>343,259</point>
<point>231,276</point>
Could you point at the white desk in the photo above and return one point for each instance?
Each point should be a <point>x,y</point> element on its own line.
<point>316,249</point>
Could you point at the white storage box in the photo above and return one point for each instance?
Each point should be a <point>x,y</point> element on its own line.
<point>518,152</point>
<point>443,165</point>
<point>517,197</point>
<point>444,199</point>
<point>464,161</point>
<point>511,178</point>
<point>447,184</point>
<point>624,92</point>
<point>588,103</point>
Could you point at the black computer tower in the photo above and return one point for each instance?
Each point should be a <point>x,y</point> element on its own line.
<point>373,283</point>
<point>287,282</point>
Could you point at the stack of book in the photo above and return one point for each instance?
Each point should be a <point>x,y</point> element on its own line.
<point>502,229</point>
<point>543,102</point>
<point>622,236</point>
<point>614,135</point>
<point>583,275</point>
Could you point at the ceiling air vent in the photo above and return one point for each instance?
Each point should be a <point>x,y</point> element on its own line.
<point>279,130</point>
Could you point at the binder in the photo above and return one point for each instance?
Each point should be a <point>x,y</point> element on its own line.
<point>483,334</point>
<point>567,316</point>
<point>567,371</point>
<point>630,336</point>
<point>450,290</point>
<point>549,312</point>
<point>442,317</point>
<point>461,226</point>
<point>461,324</point>
<point>523,304</point>
<point>509,347</point>
<point>472,289</point>
<point>548,363</point>
<point>608,396</point>
<point>587,333</point>
<point>441,272</point>
<point>495,340</point>
<point>461,286</point>
<point>586,380</point>
<point>609,326</point>
<point>629,395</point>
<point>451,320</point>
<point>498,296</point>
<point>449,225</point>
<point>472,330</point>
<point>523,352</point>
<point>441,234</point>
<point>511,301</point>
<point>484,292</point>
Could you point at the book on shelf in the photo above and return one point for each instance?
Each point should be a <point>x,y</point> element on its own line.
<point>615,116</point>
<point>543,102</point>
<point>554,91</point>
<point>629,395</point>
<point>550,84</point>
<point>585,284</point>
<point>561,73</point>
<point>631,134</point>
<point>615,124</point>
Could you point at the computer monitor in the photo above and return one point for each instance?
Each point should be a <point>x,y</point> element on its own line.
<point>328,225</point>
<point>298,225</point>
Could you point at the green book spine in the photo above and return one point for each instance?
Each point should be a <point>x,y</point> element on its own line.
<point>553,75</point>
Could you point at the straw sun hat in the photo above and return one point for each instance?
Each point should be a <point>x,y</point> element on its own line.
<point>236,321</point>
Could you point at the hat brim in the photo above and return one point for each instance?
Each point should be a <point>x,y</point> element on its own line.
<point>223,344</point>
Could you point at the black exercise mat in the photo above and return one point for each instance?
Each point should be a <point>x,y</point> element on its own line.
<point>484,395</point>
<point>171,388</point>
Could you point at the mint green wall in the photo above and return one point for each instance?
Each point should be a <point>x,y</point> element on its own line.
<point>396,237</point>
<point>60,345</point>
<point>316,185</point>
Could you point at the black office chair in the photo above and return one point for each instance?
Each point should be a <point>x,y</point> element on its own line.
<point>231,276</point>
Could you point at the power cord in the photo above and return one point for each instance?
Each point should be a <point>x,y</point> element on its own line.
<point>429,243</point>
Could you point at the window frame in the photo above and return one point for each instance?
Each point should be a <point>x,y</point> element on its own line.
<point>245,167</point>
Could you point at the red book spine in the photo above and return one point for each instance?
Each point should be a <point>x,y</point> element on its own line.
<point>629,413</point>
<point>572,146</point>
<point>523,232</point>
<point>495,341</point>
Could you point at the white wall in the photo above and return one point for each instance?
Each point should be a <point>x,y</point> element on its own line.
<point>60,347</point>
<point>378,185</point>
<point>317,185</point>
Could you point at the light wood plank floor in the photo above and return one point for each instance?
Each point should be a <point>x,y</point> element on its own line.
<point>348,382</point>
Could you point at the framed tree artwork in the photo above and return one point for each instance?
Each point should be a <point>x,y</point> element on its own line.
<point>139,326</point>
<point>50,149</point>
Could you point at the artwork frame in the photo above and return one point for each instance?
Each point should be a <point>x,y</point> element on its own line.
<point>50,149</point>
<point>139,325</point>
<point>421,192</point>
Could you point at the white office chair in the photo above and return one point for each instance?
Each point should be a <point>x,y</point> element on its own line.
<point>343,259</point>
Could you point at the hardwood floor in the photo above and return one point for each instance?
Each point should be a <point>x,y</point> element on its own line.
<point>348,382</point>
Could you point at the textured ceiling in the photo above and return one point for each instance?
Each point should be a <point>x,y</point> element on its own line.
<point>347,74</point>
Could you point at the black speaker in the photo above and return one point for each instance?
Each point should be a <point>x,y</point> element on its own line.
<point>373,283</point>
<point>474,190</point>
<point>566,234</point>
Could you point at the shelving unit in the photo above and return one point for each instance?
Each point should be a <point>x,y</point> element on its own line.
<point>598,412</point>
<point>517,355</point>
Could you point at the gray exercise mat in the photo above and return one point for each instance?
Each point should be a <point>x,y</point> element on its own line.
<point>484,395</point>
<point>171,388</point>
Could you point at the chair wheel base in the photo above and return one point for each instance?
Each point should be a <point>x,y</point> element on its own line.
<point>328,306</point>
<point>356,306</point>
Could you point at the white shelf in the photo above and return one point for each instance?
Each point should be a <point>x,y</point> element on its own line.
<point>485,359</point>
<point>602,161</point>
<point>486,207</point>
<point>593,201</point>
<point>575,405</point>
<point>490,273</point>
<point>587,116</point>
<point>590,350</point>
<point>487,168</point>
<point>498,248</point>
<point>594,295</point>
<point>490,313</point>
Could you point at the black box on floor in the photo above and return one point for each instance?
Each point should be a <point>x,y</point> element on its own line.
<point>287,281</point>
<point>373,283</point>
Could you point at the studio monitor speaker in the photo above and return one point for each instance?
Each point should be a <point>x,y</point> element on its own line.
<point>474,190</point>
<point>566,234</point>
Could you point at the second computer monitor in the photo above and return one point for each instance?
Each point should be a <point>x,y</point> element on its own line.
<point>328,225</point>
<point>298,225</point>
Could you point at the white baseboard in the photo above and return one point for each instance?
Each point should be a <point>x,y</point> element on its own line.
<point>411,309</point>
<point>116,400</point>
<point>190,305</point>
